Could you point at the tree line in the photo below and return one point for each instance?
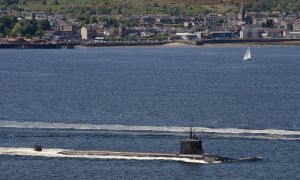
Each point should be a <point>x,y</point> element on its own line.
<point>104,7</point>
<point>273,5</point>
<point>10,26</point>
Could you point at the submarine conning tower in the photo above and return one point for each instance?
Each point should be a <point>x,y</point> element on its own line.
<point>192,145</point>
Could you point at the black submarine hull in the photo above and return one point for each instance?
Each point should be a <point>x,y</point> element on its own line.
<point>190,151</point>
<point>208,158</point>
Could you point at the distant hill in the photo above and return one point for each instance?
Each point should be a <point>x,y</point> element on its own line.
<point>140,7</point>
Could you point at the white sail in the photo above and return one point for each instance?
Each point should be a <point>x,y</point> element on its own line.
<point>247,56</point>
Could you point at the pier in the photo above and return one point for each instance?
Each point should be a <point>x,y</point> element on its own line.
<point>29,46</point>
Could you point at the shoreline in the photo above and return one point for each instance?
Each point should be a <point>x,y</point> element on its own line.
<point>175,44</point>
<point>184,45</point>
<point>290,43</point>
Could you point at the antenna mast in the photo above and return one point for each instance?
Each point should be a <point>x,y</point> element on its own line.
<point>191,131</point>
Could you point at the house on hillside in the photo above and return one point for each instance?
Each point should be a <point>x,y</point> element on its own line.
<point>68,29</point>
<point>231,19</point>
<point>149,19</point>
<point>113,31</point>
<point>178,19</point>
<point>146,34</point>
<point>211,19</point>
<point>189,24</point>
<point>164,19</point>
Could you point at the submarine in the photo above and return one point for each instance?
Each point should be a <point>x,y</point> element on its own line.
<point>190,149</point>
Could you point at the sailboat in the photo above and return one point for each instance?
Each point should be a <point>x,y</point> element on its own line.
<point>247,56</point>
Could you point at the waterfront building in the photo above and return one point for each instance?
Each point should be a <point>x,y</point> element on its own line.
<point>251,32</point>
<point>219,35</point>
<point>68,29</point>
<point>89,32</point>
<point>288,25</point>
<point>272,33</point>
<point>186,36</point>
<point>291,34</point>
<point>296,25</point>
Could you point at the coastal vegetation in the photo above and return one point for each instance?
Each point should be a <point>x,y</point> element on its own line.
<point>10,26</point>
<point>140,19</point>
<point>141,7</point>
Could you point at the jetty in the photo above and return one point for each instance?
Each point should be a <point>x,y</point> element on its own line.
<point>29,46</point>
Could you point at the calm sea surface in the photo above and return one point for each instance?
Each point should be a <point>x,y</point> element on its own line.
<point>143,99</point>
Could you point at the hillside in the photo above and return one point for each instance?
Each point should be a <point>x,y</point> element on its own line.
<point>137,7</point>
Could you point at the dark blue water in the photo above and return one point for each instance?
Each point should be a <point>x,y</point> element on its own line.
<point>210,87</point>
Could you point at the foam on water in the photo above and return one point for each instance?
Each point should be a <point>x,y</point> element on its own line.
<point>29,73</point>
<point>170,129</point>
<point>54,153</point>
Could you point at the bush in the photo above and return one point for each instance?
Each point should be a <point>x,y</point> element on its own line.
<point>44,25</point>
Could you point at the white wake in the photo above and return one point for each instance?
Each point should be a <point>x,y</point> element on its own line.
<point>54,153</point>
<point>170,129</point>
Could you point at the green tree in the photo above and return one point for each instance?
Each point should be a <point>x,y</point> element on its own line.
<point>17,28</point>
<point>56,2</point>
<point>44,25</point>
<point>2,28</point>
<point>93,20</point>
<point>83,20</point>
<point>8,21</point>
<point>27,28</point>
<point>129,23</point>
<point>104,10</point>
<point>120,10</point>
<point>110,22</point>
<point>174,11</point>
<point>10,2</point>
<point>39,33</point>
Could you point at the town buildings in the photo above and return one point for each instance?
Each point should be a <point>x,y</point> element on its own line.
<point>241,25</point>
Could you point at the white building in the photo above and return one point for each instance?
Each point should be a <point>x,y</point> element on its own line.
<point>291,34</point>
<point>89,32</point>
<point>251,32</point>
<point>186,36</point>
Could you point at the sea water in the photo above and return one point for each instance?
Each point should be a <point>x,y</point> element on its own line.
<point>144,99</point>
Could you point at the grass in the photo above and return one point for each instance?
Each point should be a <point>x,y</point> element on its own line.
<point>127,7</point>
<point>141,7</point>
